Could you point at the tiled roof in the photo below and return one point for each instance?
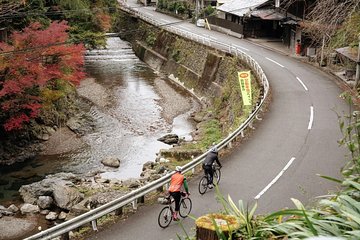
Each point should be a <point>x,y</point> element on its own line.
<point>240,7</point>
<point>268,14</point>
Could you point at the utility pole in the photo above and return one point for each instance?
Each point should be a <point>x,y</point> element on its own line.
<point>357,76</point>
<point>196,11</point>
<point>322,52</point>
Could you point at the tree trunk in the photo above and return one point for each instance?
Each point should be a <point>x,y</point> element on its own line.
<point>209,226</point>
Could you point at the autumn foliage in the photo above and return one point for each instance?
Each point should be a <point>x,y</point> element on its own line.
<point>33,61</point>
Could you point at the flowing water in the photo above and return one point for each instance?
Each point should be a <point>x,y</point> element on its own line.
<point>128,122</point>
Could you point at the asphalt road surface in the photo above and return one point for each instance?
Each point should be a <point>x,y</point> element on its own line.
<point>295,141</point>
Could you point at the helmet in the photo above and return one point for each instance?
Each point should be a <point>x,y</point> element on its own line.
<point>178,168</point>
<point>213,149</point>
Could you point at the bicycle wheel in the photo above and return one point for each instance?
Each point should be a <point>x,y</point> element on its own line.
<point>165,217</point>
<point>203,185</point>
<point>185,207</point>
<point>217,175</point>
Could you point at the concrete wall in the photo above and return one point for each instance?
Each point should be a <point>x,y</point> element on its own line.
<point>210,73</point>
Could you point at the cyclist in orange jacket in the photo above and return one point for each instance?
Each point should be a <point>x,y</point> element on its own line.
<point>176,183</point>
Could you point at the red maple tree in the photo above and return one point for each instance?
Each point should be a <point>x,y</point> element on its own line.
<point>34,59</point>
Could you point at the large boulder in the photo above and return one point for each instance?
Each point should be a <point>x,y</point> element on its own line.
<point>16,228</point>
<point>59,186</point>
<point>111,162</point>
<point>31,192</point>
<point>169,139</point>
<point>65,197</point>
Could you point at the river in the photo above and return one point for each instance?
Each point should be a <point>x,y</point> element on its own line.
<point>131,112</point>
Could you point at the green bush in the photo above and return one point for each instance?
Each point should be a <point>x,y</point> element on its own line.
<point>150,39</point>
<point>181,8</point>
<point>209,10</point>
<point>172,6</point>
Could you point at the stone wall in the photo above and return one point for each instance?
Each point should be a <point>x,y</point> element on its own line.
<point>210,73</point>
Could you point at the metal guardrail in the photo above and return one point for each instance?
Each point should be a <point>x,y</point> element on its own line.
<point>133,196</point>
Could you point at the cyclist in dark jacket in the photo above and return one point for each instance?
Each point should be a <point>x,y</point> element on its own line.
<point>210,158</point>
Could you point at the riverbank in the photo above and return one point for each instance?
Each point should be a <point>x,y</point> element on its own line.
<point>171,102</point>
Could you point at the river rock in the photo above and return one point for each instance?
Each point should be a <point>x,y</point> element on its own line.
<point>154,177</point>
<point>163,160</point>
<point>31,192</point>
<point>111,162</point>
<point>148,165</point>
<point>65,197</point>
<point>132,183</point>
<point>44,212</point>
<point>45,202</point>
<point>29,208</point>
<point>93,202</point>
<point>147,173</point>
<point>169,139</point>
<point>62,215</point>
<point>13,208</point>
<point>161,170</point>
<point>16,228</point>
<point>51,216</point>
<point>5,211</point>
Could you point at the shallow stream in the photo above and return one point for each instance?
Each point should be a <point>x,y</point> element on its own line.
<point>131,112</point>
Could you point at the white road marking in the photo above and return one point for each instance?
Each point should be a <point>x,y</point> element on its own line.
<point>274,62</point>
<point>186,28</point>
<point>150,14</point>
<point>164,20</point>
<point>306,89</point>
<point>311,117</point>
<point>237,46</point>
<point>275,179</point>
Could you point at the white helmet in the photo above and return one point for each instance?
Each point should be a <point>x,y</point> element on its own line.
<point>178,168</point>
<point>214,150</point>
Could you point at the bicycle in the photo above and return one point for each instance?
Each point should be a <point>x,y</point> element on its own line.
<point>204,181</point>
<point>166,213</point>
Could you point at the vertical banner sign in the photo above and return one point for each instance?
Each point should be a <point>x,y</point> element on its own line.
<point>245,86</point>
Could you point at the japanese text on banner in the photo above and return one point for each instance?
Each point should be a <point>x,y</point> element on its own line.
<point>245,86</point>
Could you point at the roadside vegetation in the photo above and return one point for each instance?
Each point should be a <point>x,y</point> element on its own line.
<point>42,61</point>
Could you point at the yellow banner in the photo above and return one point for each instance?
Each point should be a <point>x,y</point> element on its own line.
<point>245,86</point>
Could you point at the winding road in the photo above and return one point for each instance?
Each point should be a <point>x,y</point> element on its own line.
<point>295,141</point>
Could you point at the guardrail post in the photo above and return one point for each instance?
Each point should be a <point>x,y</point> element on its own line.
<point>251,125</point>
<point>242,134</point>
<point>134,204</point>
<point>229,145</point>
<point>141,199</point>
<point>94,225</point>
<point>65,236</point>
<point>119,211</point>
<point>160,189</point>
